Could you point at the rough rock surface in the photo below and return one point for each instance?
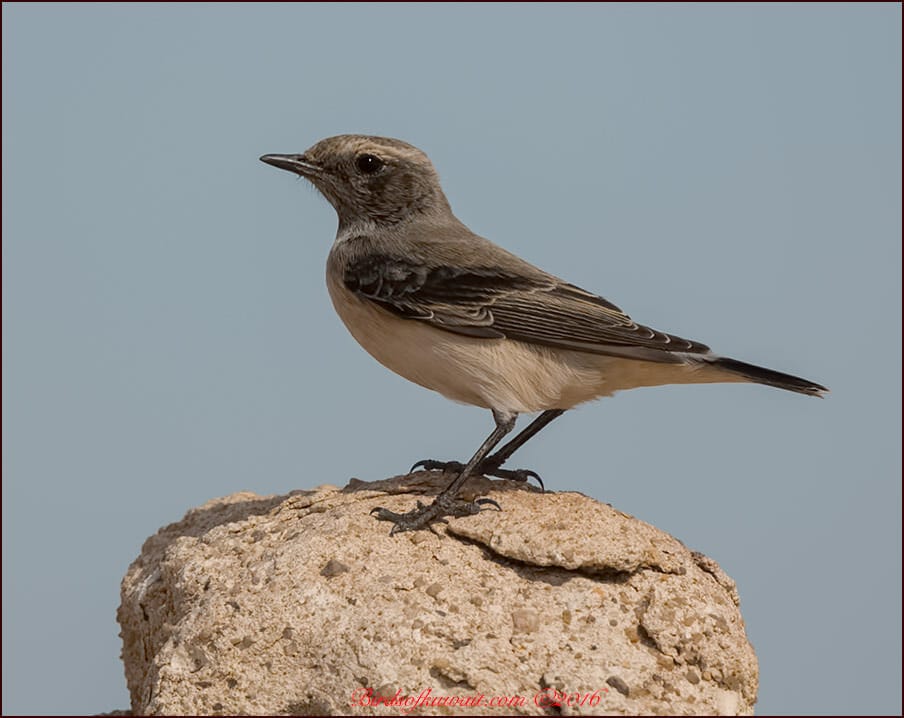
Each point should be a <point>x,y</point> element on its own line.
<point>303,604</point>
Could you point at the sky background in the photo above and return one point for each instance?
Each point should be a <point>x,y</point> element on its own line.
<point>730,174</point>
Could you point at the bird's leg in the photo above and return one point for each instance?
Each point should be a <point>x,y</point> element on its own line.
<point>490,466</point>
<point>492,463</point>
<point>447,503</point>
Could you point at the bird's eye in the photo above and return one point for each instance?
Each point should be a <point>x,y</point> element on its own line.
<point>368,164</point>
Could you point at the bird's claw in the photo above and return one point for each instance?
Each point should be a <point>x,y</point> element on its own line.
<point>487,468</point>
<point>518,475</point>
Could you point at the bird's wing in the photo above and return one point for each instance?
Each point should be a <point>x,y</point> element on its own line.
<point>489,302</point>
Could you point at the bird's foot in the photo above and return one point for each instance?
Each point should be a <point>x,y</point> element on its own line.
<point>424,516</point>
<point>489,467</point>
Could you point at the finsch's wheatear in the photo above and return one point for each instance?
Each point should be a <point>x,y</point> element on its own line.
<point>453,312</point>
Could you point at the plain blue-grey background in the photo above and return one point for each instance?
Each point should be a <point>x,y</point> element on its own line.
<point>728,173</point>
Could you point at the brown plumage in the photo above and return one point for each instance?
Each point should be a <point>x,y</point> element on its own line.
<point>455,313</point>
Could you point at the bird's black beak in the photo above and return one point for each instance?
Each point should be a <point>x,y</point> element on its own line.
<point>293,163</point>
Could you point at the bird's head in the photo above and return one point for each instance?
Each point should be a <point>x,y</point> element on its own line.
<point>377,180</point>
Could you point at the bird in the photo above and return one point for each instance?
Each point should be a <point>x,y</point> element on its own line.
<point>455,313</point>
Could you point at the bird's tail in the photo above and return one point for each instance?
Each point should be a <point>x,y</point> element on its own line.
<point>761,375</point>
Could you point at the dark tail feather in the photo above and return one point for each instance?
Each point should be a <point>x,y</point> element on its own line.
<point>761,375</point>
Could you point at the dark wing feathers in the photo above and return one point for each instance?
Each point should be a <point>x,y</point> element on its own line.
<point>492,303</point>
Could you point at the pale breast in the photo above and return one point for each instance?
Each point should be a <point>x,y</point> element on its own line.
<point>499,374</point>
<point>491,373</point>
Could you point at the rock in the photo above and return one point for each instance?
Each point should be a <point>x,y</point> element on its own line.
<point>303,604</point>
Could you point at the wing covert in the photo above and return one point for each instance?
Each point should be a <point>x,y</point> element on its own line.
<point>490,302</point>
